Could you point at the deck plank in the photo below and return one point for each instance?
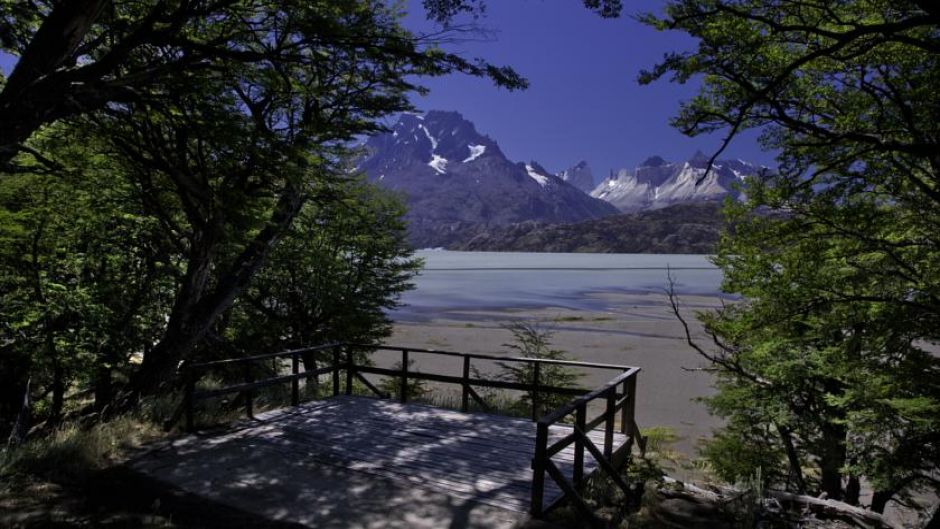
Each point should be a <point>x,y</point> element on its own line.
<point>479,457</point>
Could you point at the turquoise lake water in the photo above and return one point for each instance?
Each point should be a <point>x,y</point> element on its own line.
<point>493,280</point>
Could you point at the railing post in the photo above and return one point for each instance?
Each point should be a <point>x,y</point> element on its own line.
<point>579,424</point>
<point>295,382</point>
<point>538,470</point>
<point>535,390</point>
<point>611,416</point>
<point>403,390</point>
<point>629,407</point>
<point>189,392</point>
<point>249,393</point>
<point>336,370</point>
<point>465,397</point>
<point>349,370</point>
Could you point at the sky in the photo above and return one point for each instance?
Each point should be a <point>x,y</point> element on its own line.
<point>583,102</point>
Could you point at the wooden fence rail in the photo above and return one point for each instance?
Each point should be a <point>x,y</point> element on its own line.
<point>618,397</point>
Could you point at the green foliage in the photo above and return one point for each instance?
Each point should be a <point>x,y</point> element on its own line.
<point>417,389</point>
<point>825,373</point>
<point>134,226</point>
<point>533,341</point>
<point>84,277</point>
<point>334,276</point>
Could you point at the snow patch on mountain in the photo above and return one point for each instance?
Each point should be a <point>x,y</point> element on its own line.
<point>540,178</point>
<point>438,163</point>
<point>432,139</point>
<point>475,152</point>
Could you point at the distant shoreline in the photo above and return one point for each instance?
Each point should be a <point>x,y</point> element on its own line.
<point>598,300</point>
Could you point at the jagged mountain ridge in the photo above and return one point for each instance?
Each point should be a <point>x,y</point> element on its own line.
<point>657,183</point>
<point>456,180</point>
<point>579,175</point>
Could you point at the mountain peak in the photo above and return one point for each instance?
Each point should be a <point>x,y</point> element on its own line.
<point>657,183</point>
<point>699,160</point>
<point>654,161</point>
<point>538,167</point>
<point>580,176</point>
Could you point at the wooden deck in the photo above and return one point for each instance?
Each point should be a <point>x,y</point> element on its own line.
<point>475,457</point>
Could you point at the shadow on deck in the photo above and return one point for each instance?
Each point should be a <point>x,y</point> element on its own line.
<point>353,461</point>
<point>357,462</point>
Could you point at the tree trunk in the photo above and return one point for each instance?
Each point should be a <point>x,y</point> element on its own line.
<point>24,419</point>
<point>58,392</point>
<point>21,111</point>
<point>195,313</point>
<point>831,478</point>
<point>880,499</point>
<point>832,509</point>
<point>832,450</point>
<point>104,387</point>
<point>796,470</point>
<point>310,364</point>
<point>852,490</point>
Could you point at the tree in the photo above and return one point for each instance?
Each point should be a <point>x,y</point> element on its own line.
<point>242,111</point>
<point>218,122</point>
<point>226,157</point>
<point>826,362</point>
<point>83,280</point>
<point>84,56</point>
<point>341,267</point>
<point>532,341</point>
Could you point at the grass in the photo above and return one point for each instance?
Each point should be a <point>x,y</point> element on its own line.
<point>46,481</point>
<point>73,451</point>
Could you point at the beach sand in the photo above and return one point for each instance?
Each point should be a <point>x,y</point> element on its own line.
<point>636,330</point>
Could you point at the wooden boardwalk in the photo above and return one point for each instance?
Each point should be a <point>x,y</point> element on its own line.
<point>475,457</point>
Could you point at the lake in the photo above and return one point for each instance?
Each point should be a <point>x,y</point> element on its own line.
<point>493,280</point>
<point>605,308</point>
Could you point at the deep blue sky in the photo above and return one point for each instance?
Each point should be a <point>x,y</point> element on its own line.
<point>584,102</point>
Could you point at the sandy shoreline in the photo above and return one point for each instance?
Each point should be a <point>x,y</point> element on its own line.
<point>635,329</point>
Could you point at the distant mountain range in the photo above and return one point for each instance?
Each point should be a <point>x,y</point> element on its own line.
<point>657,183</point>
<point>462,191</point>
<point>455,178</point>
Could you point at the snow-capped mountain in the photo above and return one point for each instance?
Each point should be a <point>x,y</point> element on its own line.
<point>456,180</point>
<point>657,183</point>
<point>579,176</point>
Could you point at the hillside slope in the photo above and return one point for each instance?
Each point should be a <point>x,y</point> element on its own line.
<point>684,228</point>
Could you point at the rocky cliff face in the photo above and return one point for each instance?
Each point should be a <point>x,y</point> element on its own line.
<point>657,183</point>
<point>457,181</point>
<point>580,176</point>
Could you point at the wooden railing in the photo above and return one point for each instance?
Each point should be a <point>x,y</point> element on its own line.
<point>618,396</point>
<point>191,374</point>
